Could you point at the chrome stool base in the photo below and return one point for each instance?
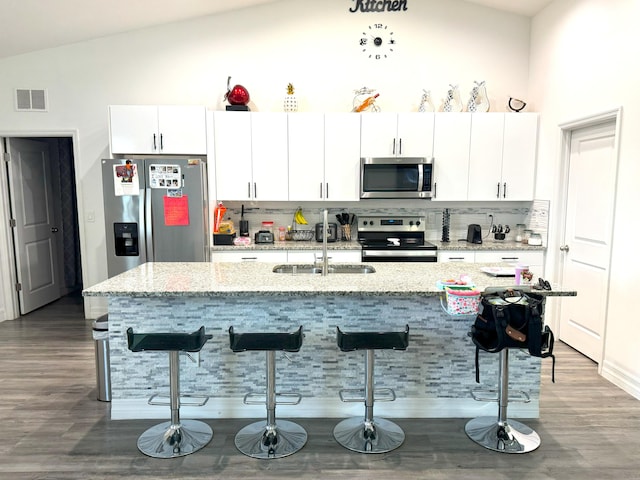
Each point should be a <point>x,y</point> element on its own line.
<point>259,440</point>
<point>377,436</point>
<point>167,440</point>
<point>506,437</point>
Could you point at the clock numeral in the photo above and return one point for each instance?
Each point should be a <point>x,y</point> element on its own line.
<point>378,56</point>
<point>363,42</point>
<point>377,25</point>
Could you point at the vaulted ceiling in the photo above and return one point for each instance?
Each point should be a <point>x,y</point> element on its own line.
<point>30,25</point>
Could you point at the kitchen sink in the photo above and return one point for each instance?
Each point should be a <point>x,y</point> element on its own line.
<point>293,269</point>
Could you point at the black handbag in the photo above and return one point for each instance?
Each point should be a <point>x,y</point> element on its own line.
<point>512,319</point>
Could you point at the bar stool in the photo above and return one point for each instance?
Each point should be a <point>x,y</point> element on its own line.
<point>175,438</point>
<point>369,434</point>
<point>502,434</point>
<point>270,439</point>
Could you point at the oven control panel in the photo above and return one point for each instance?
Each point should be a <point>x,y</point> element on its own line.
<point>391,224</point>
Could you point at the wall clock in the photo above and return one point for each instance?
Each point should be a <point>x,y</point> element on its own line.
<point>378,41</point>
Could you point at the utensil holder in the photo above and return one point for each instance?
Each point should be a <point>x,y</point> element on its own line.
<point>345,232</point>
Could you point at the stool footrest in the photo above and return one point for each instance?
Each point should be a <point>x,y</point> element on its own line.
<point>186,399</point>
<point>358,395</point>
<point>491,395</point>
<point>261,398</point>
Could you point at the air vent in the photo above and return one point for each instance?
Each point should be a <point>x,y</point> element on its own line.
<point>31,100</point>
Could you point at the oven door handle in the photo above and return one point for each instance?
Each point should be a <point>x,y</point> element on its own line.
<point>399,253</point>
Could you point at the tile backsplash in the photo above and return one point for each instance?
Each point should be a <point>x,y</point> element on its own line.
<point>534,214</point>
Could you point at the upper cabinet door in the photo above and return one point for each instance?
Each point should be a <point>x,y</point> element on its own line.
<point>133,129</point>
<point>182,129</point>
<point>232,147</point>
<point>342,156</point>
<point>306,156</point>
<point>519,156</point>
<point>379,134</point>
<point>152,129</point>
<point>485,156</point>
<point>269,156</point>
<point>452,136</point>
<point>415,135</point>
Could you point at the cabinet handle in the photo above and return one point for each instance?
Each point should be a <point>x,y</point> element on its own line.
<point>255,190</point>
<point>320,189</point>
<point>394,146</point>
<point>435,189</point>
<point>400,148</point>
<point>327,191</point>
<point>161,143</point>
<point>154,142</point>
<point>456,259</point>
<point>249,259</point>
<point>248,189</point>
<point>504,190</point>
<point>505,259</point>
<point>498,192</point>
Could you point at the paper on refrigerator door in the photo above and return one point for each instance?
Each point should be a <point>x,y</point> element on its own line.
<point>125,179</point>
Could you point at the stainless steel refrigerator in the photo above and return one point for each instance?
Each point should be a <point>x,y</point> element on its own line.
<point>155,209</point>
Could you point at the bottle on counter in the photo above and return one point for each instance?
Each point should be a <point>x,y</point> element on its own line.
<point>282,234</point>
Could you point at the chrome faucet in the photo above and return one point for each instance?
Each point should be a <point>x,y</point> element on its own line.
<point>325,234</point>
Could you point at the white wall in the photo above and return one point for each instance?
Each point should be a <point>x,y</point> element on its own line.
<point>312,44</point>
<point>584,61</point>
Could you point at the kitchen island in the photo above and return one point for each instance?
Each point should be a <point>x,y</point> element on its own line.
<point>432,378</point>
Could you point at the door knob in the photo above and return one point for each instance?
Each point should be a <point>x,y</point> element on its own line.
<point>564,248</point>
<point>54,229</point>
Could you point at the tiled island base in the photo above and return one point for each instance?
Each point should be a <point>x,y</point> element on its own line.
<point>432,378</point>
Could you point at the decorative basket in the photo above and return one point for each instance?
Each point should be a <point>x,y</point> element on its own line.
<point>462,300</point>
<point>302,235</point>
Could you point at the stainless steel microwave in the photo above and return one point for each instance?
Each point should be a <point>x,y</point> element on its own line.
<point>391,177</point>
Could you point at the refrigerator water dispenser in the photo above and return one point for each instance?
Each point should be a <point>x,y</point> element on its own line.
<point>126,239</point>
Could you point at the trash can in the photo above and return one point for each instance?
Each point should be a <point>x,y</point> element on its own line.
<point>103,364</point>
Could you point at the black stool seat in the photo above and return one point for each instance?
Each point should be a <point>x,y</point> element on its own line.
<point>288,342</point>
<point>350,341</point>
<point>166,342</point>
<point>174,438</point>
<point>369,434</point>
<point>270,439</point>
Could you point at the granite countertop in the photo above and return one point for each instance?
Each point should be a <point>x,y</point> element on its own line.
<point>203,279</point>
<point>489,245</point>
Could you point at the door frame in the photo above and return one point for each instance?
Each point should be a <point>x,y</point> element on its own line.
<point>8,294</point>
<point>567,128</point>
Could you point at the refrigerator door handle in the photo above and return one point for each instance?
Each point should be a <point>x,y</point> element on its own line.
<point>148,228</point>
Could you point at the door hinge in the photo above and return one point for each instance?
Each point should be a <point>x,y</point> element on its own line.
<point>12,223</point>
<point>18,287</point>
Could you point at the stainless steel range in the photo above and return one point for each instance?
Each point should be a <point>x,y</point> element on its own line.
<point>395,239</point>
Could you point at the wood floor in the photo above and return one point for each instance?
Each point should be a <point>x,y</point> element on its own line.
<point>53,428</point>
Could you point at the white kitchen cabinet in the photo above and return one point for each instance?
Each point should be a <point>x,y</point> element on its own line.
<point>519,156</point>
<point>485,156</point>
<point>306,157</point>
<point>502,156</point>
<point>397,134</point>
<point>535,259</point>
<point>158,129</point>
<point>447,256</point>
<point>335,256</point>
<point>275,256</point>
<point>269,156</point>
<point>250,156</point>
<point>342,157</point>
<point>451,142</point>
<point>324,156</point>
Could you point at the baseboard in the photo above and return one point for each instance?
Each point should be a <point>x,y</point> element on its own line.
<point>124,409</point>
<point>622,378</point>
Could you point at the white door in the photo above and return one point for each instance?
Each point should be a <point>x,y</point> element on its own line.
<point>34,234</point>
<point>587,237</point>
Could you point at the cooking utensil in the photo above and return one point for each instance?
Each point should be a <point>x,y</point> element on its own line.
<point>339,218</point>
<point>244,224</point>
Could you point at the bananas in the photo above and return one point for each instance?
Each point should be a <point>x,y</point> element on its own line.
<point>298,217</point>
